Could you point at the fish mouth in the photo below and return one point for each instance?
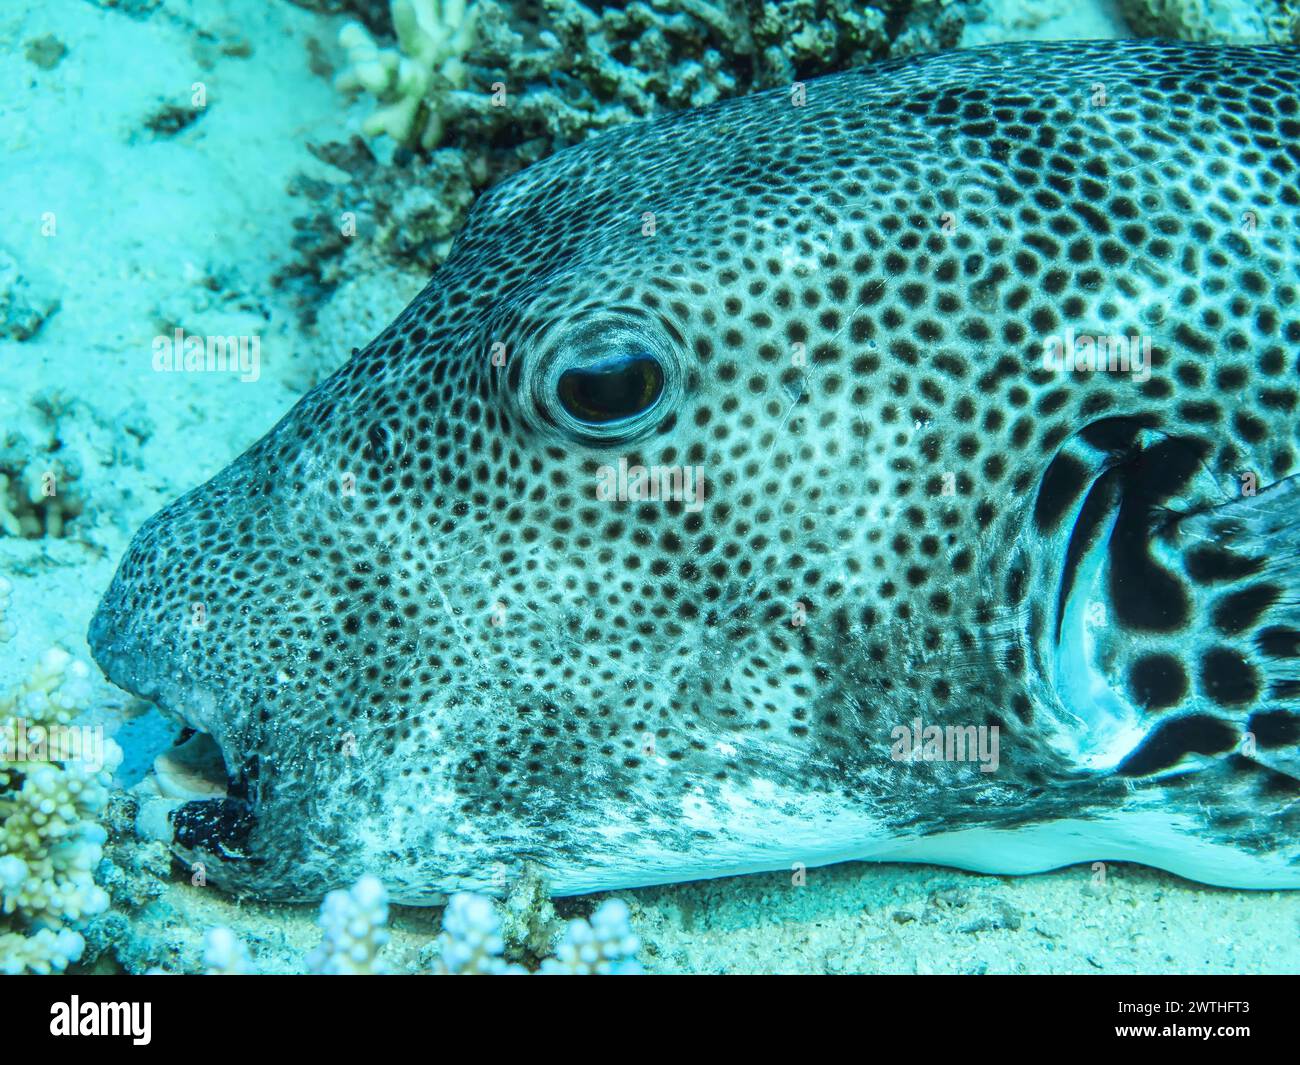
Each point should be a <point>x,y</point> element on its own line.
<point>193,769</point>
<point>193,800</point>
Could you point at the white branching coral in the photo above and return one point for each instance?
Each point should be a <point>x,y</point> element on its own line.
<point>605,946</point>
<point>54,781</point>
<point>471,943</point>
<point>432,38</point>
<point>355,923</point>
<point>224,954</point>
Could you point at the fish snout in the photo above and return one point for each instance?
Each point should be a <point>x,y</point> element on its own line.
<point>157,625</point>
<point>125,637</point>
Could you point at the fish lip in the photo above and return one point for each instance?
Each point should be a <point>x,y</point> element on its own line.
<point>124,659</point>
<point>118,652</point>
<point>199,829</point>
<point>131,663</point>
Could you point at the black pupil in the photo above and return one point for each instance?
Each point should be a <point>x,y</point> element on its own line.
<point>611,389</point>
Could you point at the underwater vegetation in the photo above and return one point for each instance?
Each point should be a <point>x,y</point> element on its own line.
<point>433,38</point>
<point>436,103</point>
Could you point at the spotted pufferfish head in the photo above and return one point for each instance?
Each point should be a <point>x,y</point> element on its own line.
<point>660,488</point>
<point>557,531</point>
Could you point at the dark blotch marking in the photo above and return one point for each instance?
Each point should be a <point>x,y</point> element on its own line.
<point>1279,642</point>
<point>1212,565</point>
<point>1241,610</point>
<point>1117,435</point>
<point>1275,728</point>
<point>1227,678</point>
<point>1172,740</point>
<point>1063,483</point>
<point>1146,596</point>
<point>1157,681</point>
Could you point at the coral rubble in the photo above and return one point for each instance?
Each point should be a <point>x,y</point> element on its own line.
<point>433,36</point>
<point>471,943</point>
<point>24,307</point>
<point>473,91</point>
<point>1215,21</point>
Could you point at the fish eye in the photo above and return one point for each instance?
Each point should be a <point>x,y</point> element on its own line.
<point>605,377</point>
<point>611,389</point>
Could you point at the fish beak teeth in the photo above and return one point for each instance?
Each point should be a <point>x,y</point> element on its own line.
<point>193,769</point>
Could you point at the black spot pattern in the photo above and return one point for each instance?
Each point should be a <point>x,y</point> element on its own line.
<point>848,302</point>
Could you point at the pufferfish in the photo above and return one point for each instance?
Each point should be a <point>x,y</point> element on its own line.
<point>900,466</point>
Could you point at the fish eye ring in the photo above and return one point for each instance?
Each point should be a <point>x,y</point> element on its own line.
<point>607,378</point>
